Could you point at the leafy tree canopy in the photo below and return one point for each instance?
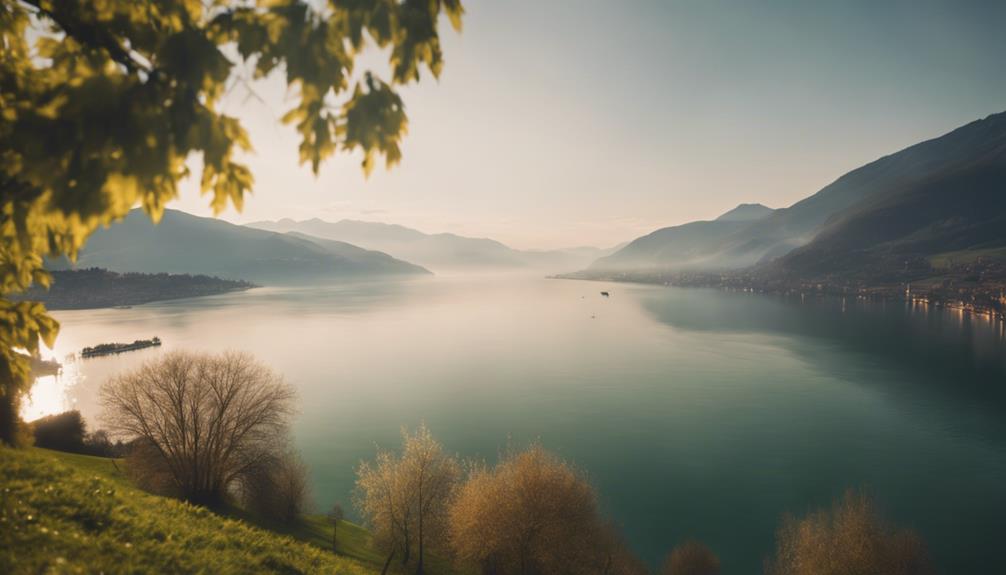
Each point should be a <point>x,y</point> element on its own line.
<point>103,102</point>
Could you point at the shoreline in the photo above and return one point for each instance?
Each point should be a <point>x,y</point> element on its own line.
<point>97,288</point>
<point>995,312</point>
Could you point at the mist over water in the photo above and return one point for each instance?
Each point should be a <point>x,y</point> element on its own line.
<point>696,413</point>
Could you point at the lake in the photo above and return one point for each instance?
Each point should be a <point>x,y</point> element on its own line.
<point>696,413</point>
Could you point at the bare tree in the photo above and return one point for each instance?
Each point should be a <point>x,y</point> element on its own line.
<point>534,514</point>
<point>405,498</point>
<point>335,515</point>
<point>202,420</point>
<point>848,539</point>
<point>691,558</point>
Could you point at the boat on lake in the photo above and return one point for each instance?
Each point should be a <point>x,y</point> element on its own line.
<point>114,348</point>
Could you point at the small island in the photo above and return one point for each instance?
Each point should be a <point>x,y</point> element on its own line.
<point>100,288</point>
<point>116,348</point>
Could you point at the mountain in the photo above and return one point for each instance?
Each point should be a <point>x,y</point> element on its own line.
<point>684,246</point>
<point>905,231</point>
<point>185,244</point>
<point>978,142</point>
<point>439,252</point>
<point>913,187</point>
<point>746,213</point>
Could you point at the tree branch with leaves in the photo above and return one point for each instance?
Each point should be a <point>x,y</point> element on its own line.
<point>103,104</point>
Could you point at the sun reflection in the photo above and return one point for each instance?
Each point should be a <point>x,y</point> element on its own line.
<point>50,394</point>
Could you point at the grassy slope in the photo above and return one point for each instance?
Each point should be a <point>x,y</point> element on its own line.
<point>64,513</point>
<point>354,542</point>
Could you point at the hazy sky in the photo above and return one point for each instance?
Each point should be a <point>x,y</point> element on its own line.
<point>589,122</point>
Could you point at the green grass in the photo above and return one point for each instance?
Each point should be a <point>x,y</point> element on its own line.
<point>66,513</point>
<point>111,468</point>
<point>354,541</point>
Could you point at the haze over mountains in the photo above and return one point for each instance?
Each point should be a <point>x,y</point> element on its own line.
<point>681,246</point>
<point>947,194</point>
<point>183,243</point>
<point>438,252</point>
<point>944,197</point>
<point>746,213</point>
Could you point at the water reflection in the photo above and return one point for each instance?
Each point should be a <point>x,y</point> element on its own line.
<point>942,353</point>
<point>696,413</point>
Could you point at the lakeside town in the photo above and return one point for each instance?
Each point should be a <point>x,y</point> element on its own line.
<point>976,287</point>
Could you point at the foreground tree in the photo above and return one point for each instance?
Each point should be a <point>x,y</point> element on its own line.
<point>533,514</point>
<point>201,423</point>
<point>848,539</point>
<point>104,104</point>
<point>405,498</point>
<point>691,558</point>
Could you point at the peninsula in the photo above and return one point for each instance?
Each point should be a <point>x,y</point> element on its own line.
<point>100,288</point>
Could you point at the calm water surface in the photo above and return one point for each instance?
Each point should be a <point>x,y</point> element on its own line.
<point>696,413</point>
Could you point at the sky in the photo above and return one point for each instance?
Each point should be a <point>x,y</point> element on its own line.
<point>560,123</point>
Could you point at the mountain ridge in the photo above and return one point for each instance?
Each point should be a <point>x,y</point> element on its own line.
<point>684,245</point>
<point>745,213</point>
<point>183,243</point>
<point>978,143</point>
<point>438,251</point>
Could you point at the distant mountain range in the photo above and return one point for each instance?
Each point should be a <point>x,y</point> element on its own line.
<point>681,247</point>
<point>439,252</point>
<point>945,195</point>
<point>185,244</point>
<point>895,219</point>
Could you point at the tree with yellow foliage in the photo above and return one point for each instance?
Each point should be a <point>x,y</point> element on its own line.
<point>850,538</point>
<point>404,498</point>
<point>533,514</point>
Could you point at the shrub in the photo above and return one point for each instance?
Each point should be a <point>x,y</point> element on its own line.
<point>277,489</point>
<point>62,432</point>
<point>532,514</point>
<point>147,468</point>
<point>848,539</point>
<point>100,443</point>
<point>691,558</point>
